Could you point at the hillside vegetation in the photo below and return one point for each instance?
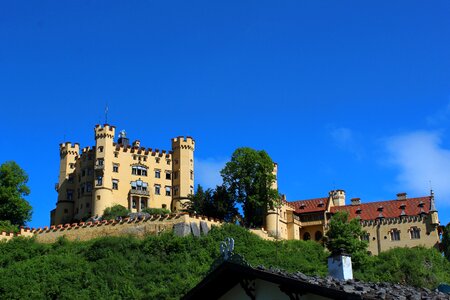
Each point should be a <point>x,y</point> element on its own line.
<point>166,266</point>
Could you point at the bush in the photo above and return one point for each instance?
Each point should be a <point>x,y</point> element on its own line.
<point>8,227</point>
<point>156,211</point>
<point>115,211</point>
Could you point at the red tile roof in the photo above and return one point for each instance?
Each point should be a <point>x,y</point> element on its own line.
<point>388,209</point>
<point>311,205</point>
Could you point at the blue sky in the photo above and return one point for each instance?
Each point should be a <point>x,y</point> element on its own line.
<point>350,95</point>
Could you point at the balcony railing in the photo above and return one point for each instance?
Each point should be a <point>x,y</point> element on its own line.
<point>139,192</point>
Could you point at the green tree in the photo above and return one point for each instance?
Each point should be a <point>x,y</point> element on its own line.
<point>215,203</point>
<point>13,189</point>
<point>248,179</point>
<point>446,241</point>
<point>115,211</point>
<point>344,234</point>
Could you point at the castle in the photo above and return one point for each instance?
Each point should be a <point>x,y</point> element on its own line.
<point>402,222</point>
<point>122,173</point>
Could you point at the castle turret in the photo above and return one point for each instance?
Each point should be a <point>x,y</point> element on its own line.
<point>182,170</point>
<point>64,211</point>
<point>104,151</point>
<point>433,210</point>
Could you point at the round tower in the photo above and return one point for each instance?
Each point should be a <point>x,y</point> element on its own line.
<point>104,153</point>
<point>182,171</point>
<point>64,211</point>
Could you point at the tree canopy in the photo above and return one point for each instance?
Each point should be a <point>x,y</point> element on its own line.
<point>215,203</point>
<point>248,178</point>
<point>346,234</point>
<point>446,241</point>
<point>13,206</point>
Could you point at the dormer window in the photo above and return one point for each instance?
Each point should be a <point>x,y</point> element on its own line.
<point>421,204</point>
<point>321,203</point>
<point>358,211</point>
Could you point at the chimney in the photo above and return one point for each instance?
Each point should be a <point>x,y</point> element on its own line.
<point>338,197</point>
<point>340,265</point>
<point>356,201</point>
<point>401,196</point>
<point>137,143</point>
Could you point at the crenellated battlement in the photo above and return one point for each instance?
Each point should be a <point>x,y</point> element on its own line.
<point>69,148</point>
<point>183,143</point>
<point>105,131</point>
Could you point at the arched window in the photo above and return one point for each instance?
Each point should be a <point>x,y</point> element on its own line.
<point>318,235</point>
<point>306,236</point>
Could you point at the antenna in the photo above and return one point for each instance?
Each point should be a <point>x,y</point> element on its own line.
<point>106,113</point>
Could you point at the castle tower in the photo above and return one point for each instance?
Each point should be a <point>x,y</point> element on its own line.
<point>183,171</point>
<point>64,211</point>
<point>104,152</point>
<point>337,197</point>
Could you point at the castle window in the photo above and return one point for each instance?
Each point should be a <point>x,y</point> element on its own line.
<point>157,173</point>
<point>134,157</point>
<point>306,236</point>
<point>99,180</point>
<point>72,166</point>
<point>88,187</point>
<point>100,149</point>
<point>139,170</point>
<point>318,235</point>
<point>164,206</point>
<point>168,161</point>
<point>157,159</point>
<point>116,154</point>
<point>168,175</point>
<point>192,175</point>
<point>115,184</point>
<point>143,204</point>
<point>168,188</point>
<point>144,158</point>
<point>133,203</point>
<point>139,185</point>
<point>83,172</point>
<point>157,189</point>
<point>415,233</point>
<point>69,194</point>
<point>395,235</point>
<point>70,178</point>
<point>192,190</point>
<point>365,237</point>
<point>115,168</point>
<point>100,162</point>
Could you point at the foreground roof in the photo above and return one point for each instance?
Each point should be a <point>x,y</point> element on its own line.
<point>228,274</point>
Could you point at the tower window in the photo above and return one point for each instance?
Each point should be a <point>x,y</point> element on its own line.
<point>168,161</point>
<point>157,173</point>
<point>69,194</point>
<point>100,162</point>
<point>99,180</point>
<point>192,175</point>
<point>168,188</point>
<point>116,154</point>
<point>100,149</point>
<point>115,168</point>
<point>115,184</point>
<point>157,159</point>
<point>168,175</point>
<point>157,189</point>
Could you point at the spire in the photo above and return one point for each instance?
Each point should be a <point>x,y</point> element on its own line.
<point>432,204</point>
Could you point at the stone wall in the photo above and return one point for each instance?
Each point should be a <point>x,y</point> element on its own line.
<point>152,225</point>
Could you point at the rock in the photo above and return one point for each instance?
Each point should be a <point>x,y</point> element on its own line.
<point>195,230</point>
<point>204,227</point>
<point>182,229</point>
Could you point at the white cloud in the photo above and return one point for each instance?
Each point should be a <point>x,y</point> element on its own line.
<point>207,171</point>
<point>421,158</point>
<point>345,139</point>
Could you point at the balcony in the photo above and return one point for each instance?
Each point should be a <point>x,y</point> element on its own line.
<point>139,192</point>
